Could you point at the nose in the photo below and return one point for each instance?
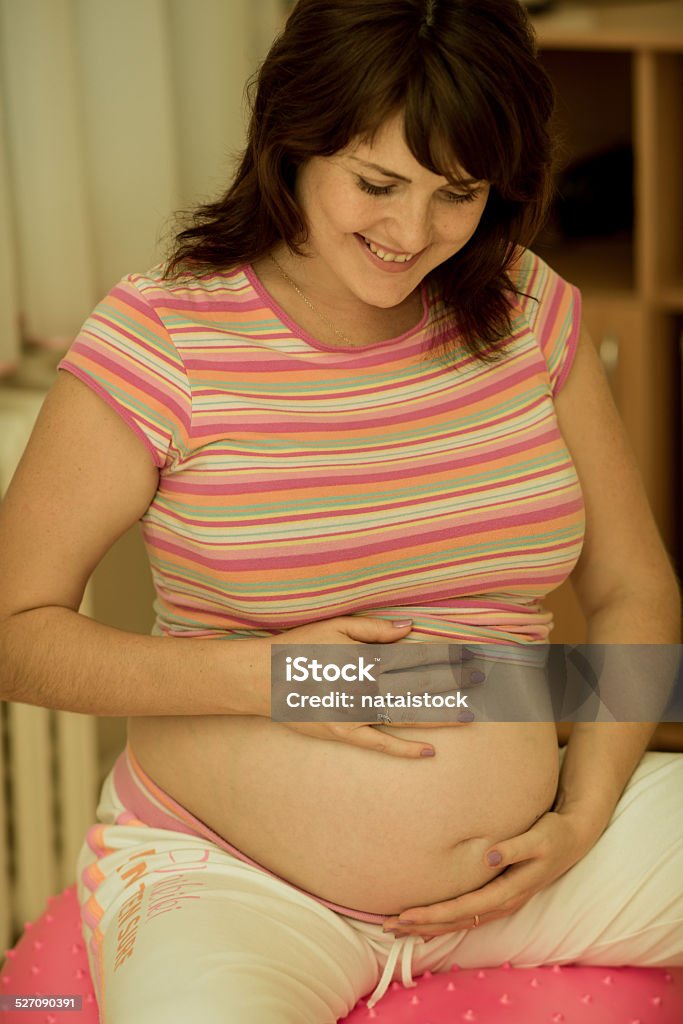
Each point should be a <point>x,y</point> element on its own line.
<point>410,226</point>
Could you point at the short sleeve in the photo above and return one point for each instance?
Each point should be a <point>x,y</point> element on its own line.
<point>125,354</point>
<point>552,309</point>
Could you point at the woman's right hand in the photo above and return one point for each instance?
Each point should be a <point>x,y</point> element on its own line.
<point>369,735</point>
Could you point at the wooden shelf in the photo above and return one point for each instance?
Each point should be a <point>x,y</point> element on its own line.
<point>670,298</point>
<point>601,25</point>
<point>602,265</point>
<point>617,68</point>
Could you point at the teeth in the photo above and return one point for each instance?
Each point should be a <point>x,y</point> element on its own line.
<point>388,257</point>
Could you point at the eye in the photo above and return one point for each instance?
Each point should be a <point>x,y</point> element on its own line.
<point>448,197</point>
<point>467,197</point>
<point>374,190</point>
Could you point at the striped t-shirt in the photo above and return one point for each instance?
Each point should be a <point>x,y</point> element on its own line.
<point>300,481</point>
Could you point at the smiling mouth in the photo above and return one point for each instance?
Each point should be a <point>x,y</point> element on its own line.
<point>388,256</point>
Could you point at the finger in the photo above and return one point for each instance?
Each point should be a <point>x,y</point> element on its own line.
<point>434,930</point>
<point>502,895</point>
<point>514,851</point>
<point>461,924</point>
<point>468,922</point>
<point>436,913</point>
<point>372,738</point>
<point>368,630</point>
<point>406,672</point>
<point>419,725</point>
<point>436,692</point>
<point>458,718</point>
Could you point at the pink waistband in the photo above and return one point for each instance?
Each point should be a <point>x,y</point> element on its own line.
<point>146,802</point>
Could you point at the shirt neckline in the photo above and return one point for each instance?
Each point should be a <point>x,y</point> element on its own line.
<point>303,335</point>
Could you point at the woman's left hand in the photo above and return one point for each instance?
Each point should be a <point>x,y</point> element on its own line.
<point>531,860</point>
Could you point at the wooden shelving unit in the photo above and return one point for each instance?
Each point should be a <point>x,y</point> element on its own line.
<point>618,73</point>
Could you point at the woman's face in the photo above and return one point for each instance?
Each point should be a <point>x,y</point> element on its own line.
<point>379,221</point>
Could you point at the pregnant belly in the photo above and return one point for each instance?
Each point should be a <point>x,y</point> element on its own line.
<point>359,828</point>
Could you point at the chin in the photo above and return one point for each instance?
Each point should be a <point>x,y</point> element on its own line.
<point>388,303</point>
<point>386,294</point>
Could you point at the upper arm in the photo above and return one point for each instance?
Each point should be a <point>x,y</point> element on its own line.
<point>623,552</point>
<point>83,479</point>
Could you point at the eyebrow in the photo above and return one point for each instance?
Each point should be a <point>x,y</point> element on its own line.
<point>401,177</point>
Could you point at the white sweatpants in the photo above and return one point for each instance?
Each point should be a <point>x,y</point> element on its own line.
<point>179,929</point>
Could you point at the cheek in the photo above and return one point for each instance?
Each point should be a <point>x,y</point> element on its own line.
<point>341,216</point>
<point>326,206</point>
<point>457,230</point>
<point>347,209</point>
<point>356,214</point>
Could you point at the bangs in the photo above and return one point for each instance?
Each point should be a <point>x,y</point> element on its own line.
<point>456,131</point>
<point>450,127</point>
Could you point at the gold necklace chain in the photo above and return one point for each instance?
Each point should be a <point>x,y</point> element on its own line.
<point>308,302</point>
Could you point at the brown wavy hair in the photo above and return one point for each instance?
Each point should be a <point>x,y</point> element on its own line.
<point>466,77</point>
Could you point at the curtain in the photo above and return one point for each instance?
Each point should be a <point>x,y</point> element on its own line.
<point>113,115</point>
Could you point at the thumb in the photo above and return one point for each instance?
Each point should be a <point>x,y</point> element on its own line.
<point>376,631</point>
<point>509,851</point>
<point>494,858</point>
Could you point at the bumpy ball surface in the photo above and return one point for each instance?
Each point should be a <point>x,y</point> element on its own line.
<point>50,959</point>
<point>538,995</point>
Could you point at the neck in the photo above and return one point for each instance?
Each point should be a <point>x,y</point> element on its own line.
<point>332,321</point>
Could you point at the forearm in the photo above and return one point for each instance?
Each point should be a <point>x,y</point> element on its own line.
<point>57,658</point>
<point>601,756</point>
<point>599,760</point>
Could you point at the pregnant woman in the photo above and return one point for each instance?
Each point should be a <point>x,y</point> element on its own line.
<point>353,407</point>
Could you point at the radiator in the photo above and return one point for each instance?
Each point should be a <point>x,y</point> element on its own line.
<point>48,759</point>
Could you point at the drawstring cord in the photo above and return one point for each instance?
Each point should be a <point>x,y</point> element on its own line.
<point>403,945</point>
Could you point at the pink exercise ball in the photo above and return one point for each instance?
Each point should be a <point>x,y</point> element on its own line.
<point>534,995</point>
<point>50,959</point>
